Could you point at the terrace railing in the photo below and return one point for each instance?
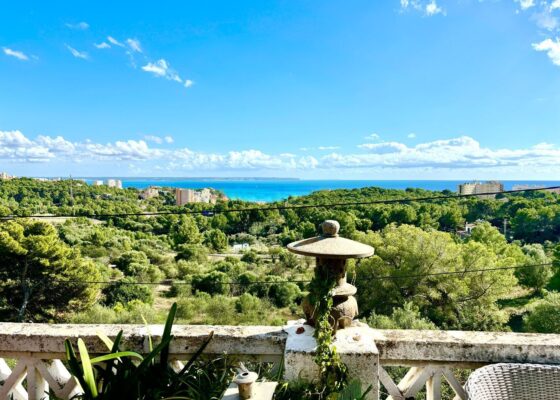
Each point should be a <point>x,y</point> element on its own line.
<point>31,354</point>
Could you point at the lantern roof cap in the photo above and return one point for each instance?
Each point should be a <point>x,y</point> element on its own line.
<point>330,245</point>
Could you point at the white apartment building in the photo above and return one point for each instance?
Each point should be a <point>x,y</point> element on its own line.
<point>185,196</point>
<point>149,193</point>
<point>5,176</point>
<point>481,188</point>
<point>116,183</point>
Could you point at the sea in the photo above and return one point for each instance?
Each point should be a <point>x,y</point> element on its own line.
<point>269,190</point>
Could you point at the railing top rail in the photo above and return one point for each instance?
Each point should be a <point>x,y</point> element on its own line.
<point>234,340</point>
<point>395,346</point>
<point>467,347</point>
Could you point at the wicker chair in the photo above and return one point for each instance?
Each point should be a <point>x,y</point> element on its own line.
<point>514,381</point>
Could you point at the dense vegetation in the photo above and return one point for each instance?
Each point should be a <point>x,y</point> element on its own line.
<point>53,269</point>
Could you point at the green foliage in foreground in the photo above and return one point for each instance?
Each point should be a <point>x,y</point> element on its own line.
<point>122,374</point>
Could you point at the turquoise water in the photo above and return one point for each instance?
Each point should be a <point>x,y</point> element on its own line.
<point>266,190</point>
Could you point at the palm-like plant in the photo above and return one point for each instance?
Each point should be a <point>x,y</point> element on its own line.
<point>129,375</point>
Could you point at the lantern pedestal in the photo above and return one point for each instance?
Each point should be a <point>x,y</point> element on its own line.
<point>355,345</point>
<point>331,252</point>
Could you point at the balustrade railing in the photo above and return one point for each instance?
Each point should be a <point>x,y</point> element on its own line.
<point>31,354</point>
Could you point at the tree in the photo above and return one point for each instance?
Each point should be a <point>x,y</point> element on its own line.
<point>185,231</point>
<point>41,277</point>
<point>250,257</point>
<point>461,300</point>
<point>192,252</point>
<point>132,262</point>
<point>545,315</point>
<point>289,260</point>
<point>216,240</point>
<point>537,274</point>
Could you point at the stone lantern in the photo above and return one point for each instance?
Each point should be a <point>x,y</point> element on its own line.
<point>331,252</point>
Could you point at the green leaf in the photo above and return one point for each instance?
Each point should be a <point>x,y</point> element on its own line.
<point>105,339</point>
<point>74,365</point>
<point>89,377</point>
<point>146,362</point>
<point>164,359</point>
<point>113,356</point>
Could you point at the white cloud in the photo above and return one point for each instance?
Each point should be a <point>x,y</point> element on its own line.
<point>328,148</point>
<point>15,53</point>
<point>162,69</point>
<point>159,68</point>
<point>428,8</point>
<point>158,139</point>
<point>188,83</point>
<point>411,136</point>
<point>525,4</point>
<point>76,53</point>
<point>56,145</point>
<point>153,138</point>
<point>432,8</point>
<point>121,150</point>
<point>102,45</point>
<point>81,26</point>
<point>456,154</point>
<point>552,49</point>
<point>545,20</point>
<point>373,136</point>
<point>114,41</point>
<point>134,44</point>
<point>383,148</point>
<point>555,5</point>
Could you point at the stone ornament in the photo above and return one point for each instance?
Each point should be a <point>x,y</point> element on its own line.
<point>331,252</point>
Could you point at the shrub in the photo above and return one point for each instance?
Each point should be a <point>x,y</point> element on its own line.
<point>126,290</point>
<point>192,252</point>
<point>215,282</point>
<point>544,316</point>
<point>407,317</point>
<point>283,294</point>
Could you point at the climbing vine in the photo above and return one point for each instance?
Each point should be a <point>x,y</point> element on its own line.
<point>333,372</point>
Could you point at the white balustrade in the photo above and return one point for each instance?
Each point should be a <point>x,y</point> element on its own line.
<point>31,354</point>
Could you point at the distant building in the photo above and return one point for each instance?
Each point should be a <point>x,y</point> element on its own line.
<point>239,247</point>
<point>149,193</point>
<point>532,187</point>
<point>463,233</point>
<point>185,196</point>
<point>98,183</point>
<point>4,176</point>
<point>481,188</point>
<point>115,183</point>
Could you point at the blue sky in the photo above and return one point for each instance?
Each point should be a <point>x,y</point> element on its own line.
<point>392,89</point>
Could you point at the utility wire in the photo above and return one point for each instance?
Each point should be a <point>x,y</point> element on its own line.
<point>373,278</point>
<point>211,212</point>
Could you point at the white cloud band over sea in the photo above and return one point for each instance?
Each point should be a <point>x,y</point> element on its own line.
<point>159,156</point>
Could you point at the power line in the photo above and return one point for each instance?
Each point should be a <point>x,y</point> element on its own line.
<point>211,212</point>
<point>169,282</point>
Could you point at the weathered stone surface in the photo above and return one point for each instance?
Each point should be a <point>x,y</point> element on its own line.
<point>47,339</point>
<point>354,344</point>
<point>466,347</point>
